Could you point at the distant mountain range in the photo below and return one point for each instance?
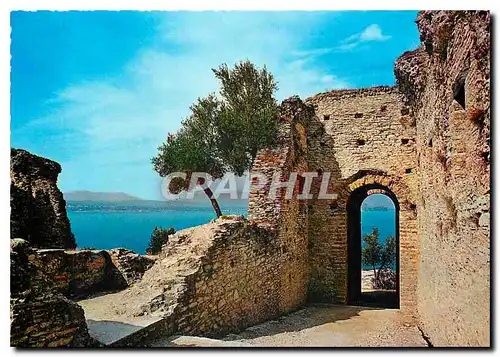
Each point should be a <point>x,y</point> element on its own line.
<point>377,208</point>
<point>124,199</point>
<point>89,196</point>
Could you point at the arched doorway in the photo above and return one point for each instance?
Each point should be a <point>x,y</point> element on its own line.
<point>385,298</point>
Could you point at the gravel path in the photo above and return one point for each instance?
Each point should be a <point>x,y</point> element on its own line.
<point>320,326</point>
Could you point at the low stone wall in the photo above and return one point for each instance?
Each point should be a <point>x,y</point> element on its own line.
<point>131,265</point>
<point>228,275</point>
<point>39,316</point>
<point>48,320</point>
<point>42,280</point>
<point>79,273</point>
<point>238,283</point>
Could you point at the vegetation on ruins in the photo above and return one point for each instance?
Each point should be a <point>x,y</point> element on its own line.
<point>159,237</point>
<point>381,258</point>
<point>224,131</point>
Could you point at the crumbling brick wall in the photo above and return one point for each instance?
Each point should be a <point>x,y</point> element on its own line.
<point>446,83</point>
<point>357,132</point>
<point>39,315</point>
<point>265,268</point>
<point>80,273</point>
<point>233,273</point>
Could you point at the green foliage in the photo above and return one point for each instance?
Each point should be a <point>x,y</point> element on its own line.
<point>380,257</point>
<point>372,250</point>
<point>158,238</point>
<point>224,131</point>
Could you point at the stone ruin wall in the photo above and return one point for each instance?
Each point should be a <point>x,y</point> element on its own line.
<point>44,280</point>
<point>81,273</point>
<point>358,133</point>
<point>257,269</point>
<point>38,209</point>
<point>233,273</point>
<point>446,83</point>
<point>39,315</point>
<point>291,251</point>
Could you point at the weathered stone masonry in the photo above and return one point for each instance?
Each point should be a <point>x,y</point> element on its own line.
<point>38,209</point>
<point>446,83</point>
<point>43,281</point>
<point>425,144</point>
<point>364,137</point>
<point>39,315</point>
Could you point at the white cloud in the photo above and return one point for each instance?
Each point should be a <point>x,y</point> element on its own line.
<point>372,33</point>
<point>123,120</point>
<point>369,34</point>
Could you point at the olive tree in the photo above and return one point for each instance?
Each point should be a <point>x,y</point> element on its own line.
<point>381,258</point>
<point>225,130</point>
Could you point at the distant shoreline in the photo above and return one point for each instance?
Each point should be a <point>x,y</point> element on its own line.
<point>378,209</point>
<point>149,206</point>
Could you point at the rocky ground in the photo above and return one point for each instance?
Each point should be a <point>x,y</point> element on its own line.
<point>319,326</point>
<point>366,280</point>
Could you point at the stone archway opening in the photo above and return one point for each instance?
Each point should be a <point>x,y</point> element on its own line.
<point>380,297</point>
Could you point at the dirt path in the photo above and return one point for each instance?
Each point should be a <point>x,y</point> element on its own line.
<point>320,326</point>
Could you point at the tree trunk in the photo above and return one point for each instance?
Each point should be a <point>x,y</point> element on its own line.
<point>213,201</point>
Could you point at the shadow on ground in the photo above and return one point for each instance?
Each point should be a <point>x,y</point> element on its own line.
<point>312,315</point>
<point>379,298</point>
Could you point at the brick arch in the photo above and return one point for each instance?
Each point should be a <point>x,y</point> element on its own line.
<point>391,183</point>
<point>356,190</point>
<point>328,237</point>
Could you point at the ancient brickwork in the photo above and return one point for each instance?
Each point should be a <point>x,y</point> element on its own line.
<point>425,144</point>
<point>358,132</point>
<point>130,265</point>
<point>48,320</point>
<point>225,276</point>
<point>39,316</point>
<point>80,273</point>
<point>447,85</point>
<point>239,283</point>
<point>38,209</point>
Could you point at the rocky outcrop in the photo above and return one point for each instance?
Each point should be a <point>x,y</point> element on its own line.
<point>77,274</point>
<point>39,316</point>
<point>446,83</point>
<point>42,280</point>
<point>38,209</point>
<point>80,273</point>
<point>131,265</point>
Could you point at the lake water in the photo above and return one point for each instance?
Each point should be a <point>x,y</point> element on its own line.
<point>385,221</point>
<point>106,226</point>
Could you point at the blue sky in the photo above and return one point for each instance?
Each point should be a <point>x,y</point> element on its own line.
<point>99,91</point>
